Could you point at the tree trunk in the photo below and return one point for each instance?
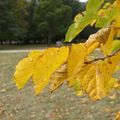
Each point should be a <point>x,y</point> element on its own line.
<point>49,38</point>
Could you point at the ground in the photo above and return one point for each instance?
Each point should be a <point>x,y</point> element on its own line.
<point>61,105</point>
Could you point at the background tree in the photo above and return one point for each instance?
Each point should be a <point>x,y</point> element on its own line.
<point>21,16</point>
<point>75,5</point>
<point>8,26</point>
<point>43,20</point>
<point>13,21</point>
<point>52,19</point>
<point>31,27</point>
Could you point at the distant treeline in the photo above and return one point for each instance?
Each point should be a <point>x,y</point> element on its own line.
<point>38,21</point>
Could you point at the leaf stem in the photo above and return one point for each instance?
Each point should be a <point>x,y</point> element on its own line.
<point>103,58</point>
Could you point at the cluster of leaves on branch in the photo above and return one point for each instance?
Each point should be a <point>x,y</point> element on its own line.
<point>75,64</point>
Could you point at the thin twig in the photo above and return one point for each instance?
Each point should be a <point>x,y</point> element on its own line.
<point>103,58</point>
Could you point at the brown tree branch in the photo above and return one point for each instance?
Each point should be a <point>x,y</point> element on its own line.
<point>103,58</point>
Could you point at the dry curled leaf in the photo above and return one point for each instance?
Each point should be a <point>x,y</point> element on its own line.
<point>58,77</point>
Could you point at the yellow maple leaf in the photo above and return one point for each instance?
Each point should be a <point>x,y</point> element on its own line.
<point>25,68</point>
<point>76,59</point>
<point>107,47</point>
<point>88,82</point>
<point>52,59</point>
<point>79,78</point>
<point>83,80</point>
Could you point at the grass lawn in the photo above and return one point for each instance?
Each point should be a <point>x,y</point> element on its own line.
<point>61,105</point>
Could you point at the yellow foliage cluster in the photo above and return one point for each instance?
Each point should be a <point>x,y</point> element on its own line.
<point>74,64</point>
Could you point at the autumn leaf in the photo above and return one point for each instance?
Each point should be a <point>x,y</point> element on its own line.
<point>25,68</point>
<point>52,59</point>
<point>107,47</point>
<point>58,77</point>
<point>115,45</point>
<point>78,52</point>
<point>117,117</point>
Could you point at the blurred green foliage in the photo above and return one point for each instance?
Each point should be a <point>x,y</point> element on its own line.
<point>13,23</point>
<point>45,20</point>
<point>39,21</point>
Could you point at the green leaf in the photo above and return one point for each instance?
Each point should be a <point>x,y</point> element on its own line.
<point>93,6</point>
<point>81,22</point>
<point>76,28</point>
<point>110,15</point>
<point>116,45</point>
